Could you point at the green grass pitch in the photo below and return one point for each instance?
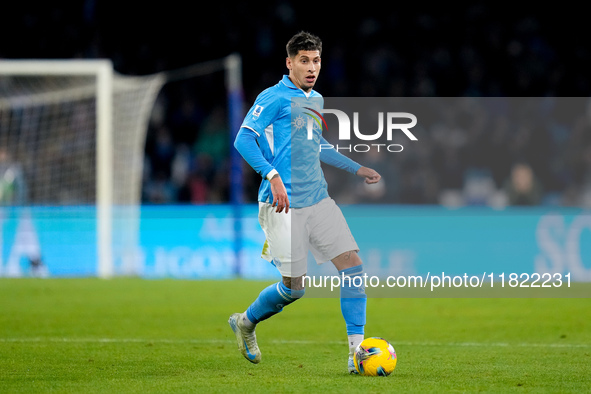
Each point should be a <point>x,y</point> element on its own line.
<point>164,336</point>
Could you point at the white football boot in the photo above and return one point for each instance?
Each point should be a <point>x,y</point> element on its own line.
<point>246,339</point>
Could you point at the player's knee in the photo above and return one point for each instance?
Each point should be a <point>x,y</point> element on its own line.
<point>347,260</point>
<point>296,286</point>
<point>295,283</point>
<point>356,260</point>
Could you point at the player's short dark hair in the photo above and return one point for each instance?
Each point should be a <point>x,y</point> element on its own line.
<point>303,41</point>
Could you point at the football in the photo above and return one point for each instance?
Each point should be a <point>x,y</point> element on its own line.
<point>375,357</point>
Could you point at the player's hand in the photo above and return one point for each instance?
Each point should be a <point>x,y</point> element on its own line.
<point>280,199</point>
<point>371,176</point>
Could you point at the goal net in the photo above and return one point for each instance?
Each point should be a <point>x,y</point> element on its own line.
<point>73,132</point>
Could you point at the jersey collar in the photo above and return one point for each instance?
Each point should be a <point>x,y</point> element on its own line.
<point>287,82</point>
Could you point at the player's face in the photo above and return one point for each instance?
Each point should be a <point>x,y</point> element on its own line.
<point>304,69</point>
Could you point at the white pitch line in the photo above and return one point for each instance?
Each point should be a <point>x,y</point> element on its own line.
<point>285,342</point>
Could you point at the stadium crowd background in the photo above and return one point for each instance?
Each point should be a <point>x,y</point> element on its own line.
<point>471,49</point>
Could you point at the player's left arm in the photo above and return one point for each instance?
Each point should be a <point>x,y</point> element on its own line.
<point>370,175</point>
<point>336,159</point>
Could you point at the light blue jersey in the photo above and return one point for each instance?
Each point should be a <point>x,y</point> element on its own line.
<point>272,136</point>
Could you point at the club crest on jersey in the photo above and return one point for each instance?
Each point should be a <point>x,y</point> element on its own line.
<point>257,111</point>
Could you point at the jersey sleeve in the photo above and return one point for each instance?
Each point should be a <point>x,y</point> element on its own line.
<point>263,112</point>
<point>336,159</point>
<point>251,136</point>
<point>246,143</point>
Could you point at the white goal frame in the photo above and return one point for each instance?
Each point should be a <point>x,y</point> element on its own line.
<point>102,70</point>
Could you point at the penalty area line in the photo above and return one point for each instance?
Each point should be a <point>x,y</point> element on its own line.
<point>283,342</point>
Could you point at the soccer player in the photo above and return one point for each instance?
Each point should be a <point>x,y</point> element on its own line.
<point>295,211</point>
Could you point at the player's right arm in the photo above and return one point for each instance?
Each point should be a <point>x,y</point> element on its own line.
<point>263,113</point>
<point>246,144</point>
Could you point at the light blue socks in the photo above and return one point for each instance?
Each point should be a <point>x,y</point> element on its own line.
<point>271,301</point>
<point>353,299</point>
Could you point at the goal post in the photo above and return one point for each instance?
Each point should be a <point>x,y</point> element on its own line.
<point>79,128</point>
<point>104,166</point>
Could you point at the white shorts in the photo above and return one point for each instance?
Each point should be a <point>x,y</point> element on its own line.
<point>320,228</point>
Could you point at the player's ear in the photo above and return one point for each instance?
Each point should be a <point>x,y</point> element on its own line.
<point>288,63</point>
